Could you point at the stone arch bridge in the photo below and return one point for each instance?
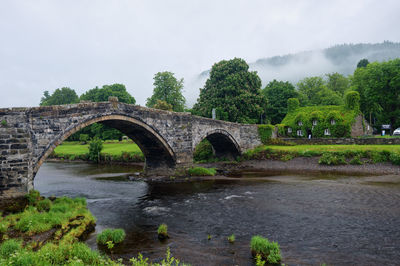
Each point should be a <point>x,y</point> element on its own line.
<point>167,139</point>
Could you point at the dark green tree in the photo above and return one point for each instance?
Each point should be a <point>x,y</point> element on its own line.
<point>168,89</point>
<point>314,91</point>
<point>101,94</point>
<point>379,87</point>
<point>277,94</point>
<point>362,63</point>
<point>233,91</point>
<point>64,95</point>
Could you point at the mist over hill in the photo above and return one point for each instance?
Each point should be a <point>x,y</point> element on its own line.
<point>294,67</point>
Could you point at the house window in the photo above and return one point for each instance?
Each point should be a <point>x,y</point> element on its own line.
<point>300,133</point>
<point>300,123</point>
<point>333,122</point>
<point>327,132</point>
<point>314,122</point>
<point>289,130</point>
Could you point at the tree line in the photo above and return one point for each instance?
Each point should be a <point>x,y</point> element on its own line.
<point>236,94</point>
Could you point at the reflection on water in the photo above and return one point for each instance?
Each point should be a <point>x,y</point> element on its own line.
<point>336,220</point>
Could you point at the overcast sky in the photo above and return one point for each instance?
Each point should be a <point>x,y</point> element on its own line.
<point>81,44</point>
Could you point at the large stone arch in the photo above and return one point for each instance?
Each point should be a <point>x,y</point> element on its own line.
<point>158,153</point>
<point>224,144</point>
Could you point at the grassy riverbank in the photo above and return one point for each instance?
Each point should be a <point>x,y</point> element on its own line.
<point>330,154</point>
<point>112,151</point>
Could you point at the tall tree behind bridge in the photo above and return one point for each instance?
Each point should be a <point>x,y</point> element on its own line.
<point>167,89</point>
<point>233,91</point>
<point>64,95</point>
<point>101,94</point>
<point>277,94</point>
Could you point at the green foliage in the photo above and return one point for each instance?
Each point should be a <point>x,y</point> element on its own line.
<point>362,63</point>
<point>268,250</point>
<point>259,261</point>
<point>168,90</point>
<point>378,85</point>
<point>277,94</point>
<point>162,105</point>
<point>201,171</point>
<point>33,197</point>
<point>8,247</point>
<point>203,151</point>
<point>330,158</point>
<point>352,100</point>
<point>395,158</point>
<point>95,148</point>
<point>4,123</point>
<point>83,138</point>
<point>315,91</point>
<point>60,96</point>
<point>265,132</point>
<point>44,205</point>
<point>168,261</point>
<point>231,238</point>
<point>114,235</point>
<point>337,83</point>
<point>356,160</point>
<point>293,104</point>
<point>162,231</point>
<point>101,94</point>
<point>233,91</point>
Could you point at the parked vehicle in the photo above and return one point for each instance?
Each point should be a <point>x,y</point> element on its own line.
<point>396,132</point>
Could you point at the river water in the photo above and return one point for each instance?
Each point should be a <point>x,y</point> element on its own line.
<point>337,220</point>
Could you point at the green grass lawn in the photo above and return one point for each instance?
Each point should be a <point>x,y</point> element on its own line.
<point>323,148</point>
<point>110,148</point>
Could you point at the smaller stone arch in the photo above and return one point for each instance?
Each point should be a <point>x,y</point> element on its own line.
<point>224,144</point>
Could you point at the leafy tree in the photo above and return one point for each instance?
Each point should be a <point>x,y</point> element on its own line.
<point>379,88</point>
<point>362,63</point>
<point>163,105</point>
<point>101,94</point>
<point>64,95</point>
<point>277,94</point>
<point>309,87</point>
<point>314,91</point>
<point>233,91</point>
<point>338,83</point>
<point>168,89</point>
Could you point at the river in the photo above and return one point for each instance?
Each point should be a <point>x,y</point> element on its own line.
<point>332,219</point>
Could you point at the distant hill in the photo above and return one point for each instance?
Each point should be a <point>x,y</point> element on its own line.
<point>294,67</point>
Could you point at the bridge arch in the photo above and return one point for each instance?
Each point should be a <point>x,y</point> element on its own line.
<point>158,153</point>
<point>223,143</point>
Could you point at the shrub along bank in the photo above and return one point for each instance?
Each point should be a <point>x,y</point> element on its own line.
<point>329,154</point>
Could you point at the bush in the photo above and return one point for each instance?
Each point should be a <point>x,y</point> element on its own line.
<point>201,171</point>
<point>269,251</point>
<point>395,158</point>
<point>203,151</point>
<point>83,138</point>
<point>95,148</point>
<point>356,160</point>
<point>33,197</point>
<point>9,247</point>
<point>44,205</point>
<point>265,132</point>
<point>329,158</point>
<point>231,238</point>
<point>114,235</point>
<point>162,231</point>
